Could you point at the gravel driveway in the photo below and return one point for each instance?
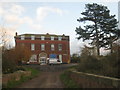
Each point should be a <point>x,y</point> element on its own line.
<point>44,80</point>
<point>48,78</point>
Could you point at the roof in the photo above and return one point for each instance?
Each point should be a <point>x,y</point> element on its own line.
<point>38,35</point>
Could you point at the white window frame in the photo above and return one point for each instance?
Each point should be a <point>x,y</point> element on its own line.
<point>32,37</point>
<point>32,47</point>
<point>59,38</point>
<point>22,37</point>
<point>33,58</point>
<point>52,47</point>
<point>42,47</point>
<point>42,37</point>
<point>60,58</point>
<point>52,37</point>
<point>60,47</point>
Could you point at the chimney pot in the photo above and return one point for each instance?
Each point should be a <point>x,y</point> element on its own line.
<point>16,34</point>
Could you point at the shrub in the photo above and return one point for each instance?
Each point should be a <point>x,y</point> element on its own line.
<point>111,65</point>
<point>8,64</point>
<point>104,65</point>
<point>75,58</point>
<point>89,64</point>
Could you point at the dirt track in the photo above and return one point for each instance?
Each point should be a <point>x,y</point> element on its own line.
<point>44,80</point>
<point>49,77</point>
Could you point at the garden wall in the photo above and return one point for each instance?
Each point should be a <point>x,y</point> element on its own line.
<point>14,76</point>
<point>85,80</point>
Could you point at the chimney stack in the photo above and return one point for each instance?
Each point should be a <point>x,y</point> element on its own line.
<point>16,34</point>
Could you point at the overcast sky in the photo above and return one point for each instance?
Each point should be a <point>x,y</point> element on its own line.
<point>48,17</point>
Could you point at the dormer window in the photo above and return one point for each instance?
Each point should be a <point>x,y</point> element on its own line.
<point>22,37</point>
<point>52,37</point>
<point>32,37</point>
<point>42,37</point>
<point>59,38</point>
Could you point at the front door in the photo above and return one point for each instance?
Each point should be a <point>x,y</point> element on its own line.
<point>43,58</point>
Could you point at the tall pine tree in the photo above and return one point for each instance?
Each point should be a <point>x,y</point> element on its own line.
<point>101,27</point>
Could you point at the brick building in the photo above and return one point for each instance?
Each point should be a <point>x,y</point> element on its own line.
<point>43,46</point>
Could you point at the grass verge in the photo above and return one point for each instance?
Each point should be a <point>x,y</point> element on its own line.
<point>67,81</point>
<point>14,84</point>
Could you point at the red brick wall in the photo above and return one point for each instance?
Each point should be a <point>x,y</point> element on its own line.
<point>65,47</point>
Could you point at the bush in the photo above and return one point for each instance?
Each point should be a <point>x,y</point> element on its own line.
<point>75,58</point>
<point>89,64</point>
<point>106,65</point>
<point>8,65</point>
<point>14,57</point>
<point>111,65</point>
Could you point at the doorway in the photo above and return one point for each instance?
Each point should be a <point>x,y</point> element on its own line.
<point>43,58</point>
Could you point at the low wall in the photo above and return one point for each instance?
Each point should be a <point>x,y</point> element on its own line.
<point>85,80</point>
<point>14,76</point>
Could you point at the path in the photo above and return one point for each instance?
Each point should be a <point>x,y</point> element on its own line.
<point>48,78</point>
<point>44,80</point>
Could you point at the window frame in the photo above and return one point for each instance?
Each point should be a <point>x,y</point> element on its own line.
<point>59,38</point>
<point>52,38</point>
<point>22,37</point>
<point>32,47</point>
<point>42,37</point>
<point>42,47</point>
<point>60,47</point>
<point>32,37</point>
<point>33,58</point>
<point>52,47</point>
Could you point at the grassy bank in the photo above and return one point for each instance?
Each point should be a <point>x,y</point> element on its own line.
<point>14,84</point>
<point>67,81</point>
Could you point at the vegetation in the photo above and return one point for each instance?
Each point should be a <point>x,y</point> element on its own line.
<point>90,64</point>
<point>67,81</point>
<point>105,65</point>
<point>75,58</point>
<point>13,57</point>
<point>13,83</point>
<point>101,28</point>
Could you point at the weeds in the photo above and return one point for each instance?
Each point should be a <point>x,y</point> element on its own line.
<point>68,82</point>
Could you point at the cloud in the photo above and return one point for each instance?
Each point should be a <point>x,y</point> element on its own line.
<point>10,18</point>
<point>17,9</point>
<point>36,27</point>
<point>58,0</point>
<point>42,12</point>
<point>13,15</point>
<point>14,18</point>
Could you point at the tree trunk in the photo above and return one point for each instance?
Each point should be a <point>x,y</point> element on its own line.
<point>97,40</point>
<point>111,48</point>
<point>98,51</point>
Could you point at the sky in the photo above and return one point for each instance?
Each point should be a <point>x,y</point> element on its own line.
<point>53,17</point>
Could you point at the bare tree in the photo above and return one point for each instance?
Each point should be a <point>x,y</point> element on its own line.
<point>4,37</point>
